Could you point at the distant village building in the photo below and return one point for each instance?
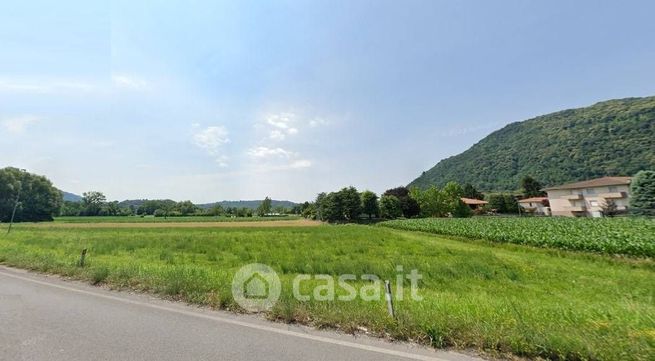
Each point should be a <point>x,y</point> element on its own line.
<point>474,204</point>
<point>535,205</point>
<point>587,198</point>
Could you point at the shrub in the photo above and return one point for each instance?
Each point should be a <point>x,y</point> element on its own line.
<point>642,190</point>
<point>99,275</point>
<point>462,211</point>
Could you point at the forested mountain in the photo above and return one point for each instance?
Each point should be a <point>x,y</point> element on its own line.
<point>70,197</point>
<point>615,137</point>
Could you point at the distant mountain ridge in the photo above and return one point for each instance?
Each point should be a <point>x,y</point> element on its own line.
<point>253,204</point>
<point>249,204</point>
<point>615,137</point>
<point>70,197</point>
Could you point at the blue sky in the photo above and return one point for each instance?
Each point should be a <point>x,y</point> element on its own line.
<point>211,100</point>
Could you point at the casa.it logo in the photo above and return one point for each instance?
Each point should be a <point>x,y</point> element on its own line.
<point>256,287</point>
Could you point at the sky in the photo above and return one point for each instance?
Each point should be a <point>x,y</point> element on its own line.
<point>217,100</point>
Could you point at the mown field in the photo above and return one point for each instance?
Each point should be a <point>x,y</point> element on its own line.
<point>501,298</point>
<point>613,236</point>
<point>151,219</point>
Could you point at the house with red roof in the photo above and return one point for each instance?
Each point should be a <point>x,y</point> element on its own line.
<point>535,205</point>
<point>474,204</point>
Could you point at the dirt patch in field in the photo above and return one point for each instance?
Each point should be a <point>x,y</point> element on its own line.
<point>245,224</point>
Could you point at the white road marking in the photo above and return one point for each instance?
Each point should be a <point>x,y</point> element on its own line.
<point>233,322</point>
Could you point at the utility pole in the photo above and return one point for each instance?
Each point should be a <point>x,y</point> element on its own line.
<point>13,213</point>
<point>20,189</point>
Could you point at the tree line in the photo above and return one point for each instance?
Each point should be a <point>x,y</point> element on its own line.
<point>95,204</point>
<point>350,205</point>
<point>29,197</point>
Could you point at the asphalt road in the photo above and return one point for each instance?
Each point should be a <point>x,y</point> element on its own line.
<point>46,318</point>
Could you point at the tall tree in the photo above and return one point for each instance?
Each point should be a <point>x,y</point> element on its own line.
<point>642,193</point>
<point>511,204</point>
<point>469,191</point>
<point>497,202</point>
<point>92,203</point>
<point>70,209</point>
<point>409,206</point>
<point>33,196</point>
<point>216,210</point>
<point>309,211</point>
<point>265,207</point>
<point>452,193</point>
<point>332,207</point>
<point>390,207</point>
<point>186,208</point>
<point>319,205</point>
<point>110,209</point>
<point>352,203</point>
<point>531,187</point>
<point>432,201</point>
<point>370,204</point>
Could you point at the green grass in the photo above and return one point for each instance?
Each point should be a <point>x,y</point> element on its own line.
<point>150,219</point>
<point>501,298</point>
<point>614,236</point>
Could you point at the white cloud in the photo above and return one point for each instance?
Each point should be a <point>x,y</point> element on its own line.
<point>301,163</point>
<point>211,139</point>
<point>277,135</point>
<point>282,124</point>
<point>317,122</point>
<point>264,152</point>
<point>130,82</point>
<point>276,159</point>
<point>281,120</point>
<point>221,160</point>
<point>18,125</point>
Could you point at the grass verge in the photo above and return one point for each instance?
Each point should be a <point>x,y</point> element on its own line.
<point>500,298</point>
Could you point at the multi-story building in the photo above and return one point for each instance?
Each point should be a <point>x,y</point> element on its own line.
<point>587,198</point>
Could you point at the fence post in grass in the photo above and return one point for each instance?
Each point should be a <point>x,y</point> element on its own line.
<point>387,294</point>
<point>82,257</point>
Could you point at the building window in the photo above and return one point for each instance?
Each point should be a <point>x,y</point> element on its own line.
<point>613,189</point>
<point>590,191</point>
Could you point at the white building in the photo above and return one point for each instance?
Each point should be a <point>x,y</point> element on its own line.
<point>587,198</point>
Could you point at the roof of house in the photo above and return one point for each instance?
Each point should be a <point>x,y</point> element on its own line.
<point>598,182</point>
<point>471,201</point>
<point>533,200</point>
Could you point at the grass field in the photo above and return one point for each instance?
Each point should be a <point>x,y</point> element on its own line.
<point>240,223</point>
<point>150,219</point>
<point>614,236</point>
<point>501,298</point>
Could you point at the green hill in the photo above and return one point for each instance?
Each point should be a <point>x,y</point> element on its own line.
<point>615,137</point>
<point>70,197</point>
